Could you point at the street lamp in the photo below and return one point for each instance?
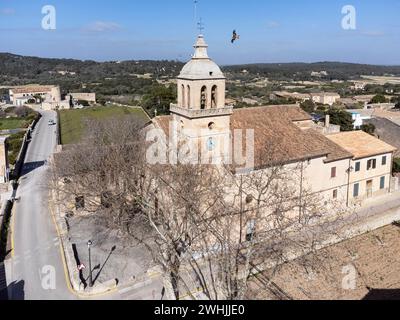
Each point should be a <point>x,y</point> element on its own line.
<point>89,244</point>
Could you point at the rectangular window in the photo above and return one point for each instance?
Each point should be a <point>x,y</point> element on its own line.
<point>335,194</point>
<point>384,161</point>
<point>333,172</point>
<point>371,164</point>
<point>383,182</point>
<point>356,191</point>
<point>358,166</point>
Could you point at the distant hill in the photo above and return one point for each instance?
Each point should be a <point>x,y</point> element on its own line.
<point>302,71</point>
<point>15,70</point>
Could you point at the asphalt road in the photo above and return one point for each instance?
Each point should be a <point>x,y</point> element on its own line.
<point>35,271</point>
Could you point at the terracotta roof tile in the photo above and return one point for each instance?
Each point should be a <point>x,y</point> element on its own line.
<point>361,144</point>
<point>279,140</point>
<point>163,122</point>
<point>31,89</point>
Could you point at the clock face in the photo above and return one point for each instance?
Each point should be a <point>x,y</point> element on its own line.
<point>211,144</point>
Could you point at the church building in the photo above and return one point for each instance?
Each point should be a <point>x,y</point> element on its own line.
<point>349,167</point>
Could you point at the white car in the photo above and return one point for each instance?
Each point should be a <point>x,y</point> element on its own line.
<point>51,123</point>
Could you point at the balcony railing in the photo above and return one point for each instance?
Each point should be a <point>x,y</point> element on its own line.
<point>192,113</point>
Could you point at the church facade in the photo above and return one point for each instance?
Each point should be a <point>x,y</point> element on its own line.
<point>347,167</point>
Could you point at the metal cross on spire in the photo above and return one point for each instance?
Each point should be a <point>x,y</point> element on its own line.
<point>200,26</point>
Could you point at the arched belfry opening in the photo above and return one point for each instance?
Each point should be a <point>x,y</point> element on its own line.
<point>203,98</point>
<point>188,97</point>
<point>183,97</point>
<point>214,97</point>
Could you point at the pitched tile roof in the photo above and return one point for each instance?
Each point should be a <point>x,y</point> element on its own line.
<point>361,144</point>
<point>279,140</point>
<point>31,89</point>
<point>163,122</point>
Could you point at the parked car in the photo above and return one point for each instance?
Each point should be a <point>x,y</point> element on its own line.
<point>51,123</point>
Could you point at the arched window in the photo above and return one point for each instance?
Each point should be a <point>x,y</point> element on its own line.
<point>203,101</point>
<point>188,97</point>
<point>214,96</point>
<point>183,97</point>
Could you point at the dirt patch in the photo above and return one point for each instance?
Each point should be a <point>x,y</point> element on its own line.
<point>373,258</point>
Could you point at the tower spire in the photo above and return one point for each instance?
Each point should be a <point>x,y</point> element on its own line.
<point>200,48</point>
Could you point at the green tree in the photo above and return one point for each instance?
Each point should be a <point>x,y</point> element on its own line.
<point>341,118</point>
<point>159,99</point>
<point>308,106</point>
<point>396,101</point>
<point>369,128</point>
<point>379,98</point>
<point>396,165</point>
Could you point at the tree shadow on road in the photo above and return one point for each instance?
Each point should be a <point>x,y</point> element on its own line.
<point>31,166</point>
<point>15,291</point>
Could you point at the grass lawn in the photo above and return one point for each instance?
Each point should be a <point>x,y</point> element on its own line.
<point>13,123</point>
<point>72,125</point>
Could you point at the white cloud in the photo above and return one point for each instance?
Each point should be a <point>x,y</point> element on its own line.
<point>273,24</point>
<point>102,26</point>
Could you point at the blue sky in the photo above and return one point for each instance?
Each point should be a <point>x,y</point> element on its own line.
<point>271,31</point>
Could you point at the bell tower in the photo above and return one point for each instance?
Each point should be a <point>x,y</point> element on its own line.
<point>200,113</point>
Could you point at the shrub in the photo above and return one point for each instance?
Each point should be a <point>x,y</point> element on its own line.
<point>369,128</point>
<point>396,165</point>
<point>379,98</point>
<point>10,110</point>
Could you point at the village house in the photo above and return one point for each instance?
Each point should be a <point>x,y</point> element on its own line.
<point>49,93</point>
<point>329,98</point>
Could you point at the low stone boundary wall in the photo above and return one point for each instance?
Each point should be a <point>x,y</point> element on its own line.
<point>22,153</point>
<point>5,218</point>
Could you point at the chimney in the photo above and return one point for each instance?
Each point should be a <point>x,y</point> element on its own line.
<point>327,121</point>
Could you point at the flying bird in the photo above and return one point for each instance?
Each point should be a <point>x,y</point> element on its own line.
<point>235,36</point>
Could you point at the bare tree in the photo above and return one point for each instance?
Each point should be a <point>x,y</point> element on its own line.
<point>208,227</point>
<point>267,218</point>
